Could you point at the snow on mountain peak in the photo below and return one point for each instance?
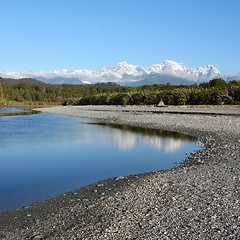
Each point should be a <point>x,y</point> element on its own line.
<point>123,73</point>
<point>174,66</point>
<point>209,71</point>
<point>123,63</point>
<point>120,70</point>
<point>213,69</point>
<point>125,67</point>
<point>168,67</point>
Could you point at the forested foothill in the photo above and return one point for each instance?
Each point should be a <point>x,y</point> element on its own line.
<point>33,92</point>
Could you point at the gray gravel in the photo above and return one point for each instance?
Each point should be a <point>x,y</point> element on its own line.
<point>199,200</point>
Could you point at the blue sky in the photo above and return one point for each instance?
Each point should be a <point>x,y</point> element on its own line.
<point>57,34</point>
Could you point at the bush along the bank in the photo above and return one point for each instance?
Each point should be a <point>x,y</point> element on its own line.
<point>216,91</point>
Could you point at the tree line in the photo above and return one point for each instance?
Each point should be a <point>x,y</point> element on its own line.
<point>216,91</point>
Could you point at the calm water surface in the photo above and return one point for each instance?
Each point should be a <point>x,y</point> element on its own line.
<point>43,155</point>
<point>5,111</point>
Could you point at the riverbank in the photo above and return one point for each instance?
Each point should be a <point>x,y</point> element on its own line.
<point>197,201</point>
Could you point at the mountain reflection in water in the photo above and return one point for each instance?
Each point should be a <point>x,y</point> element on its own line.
<point>127,137</point>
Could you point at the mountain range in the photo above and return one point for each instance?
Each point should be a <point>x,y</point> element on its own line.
<point>128,74</point>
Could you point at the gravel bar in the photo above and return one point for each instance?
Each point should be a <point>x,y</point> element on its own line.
<point>198,200</point>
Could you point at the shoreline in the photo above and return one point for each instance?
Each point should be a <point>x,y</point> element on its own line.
<point>199,200</point>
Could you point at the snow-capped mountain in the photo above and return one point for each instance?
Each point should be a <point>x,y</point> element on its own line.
<point>122,68</point>
<point>127,74</point>
<point>181,70</point>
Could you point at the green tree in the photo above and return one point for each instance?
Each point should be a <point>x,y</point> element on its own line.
<point>1,88</point>
<point>137,98</point>
<point>218,83</point>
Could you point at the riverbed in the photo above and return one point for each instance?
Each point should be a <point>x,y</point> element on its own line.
<point>199,200</point>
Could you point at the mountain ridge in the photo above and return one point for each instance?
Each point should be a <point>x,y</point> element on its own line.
<point>127,74</point>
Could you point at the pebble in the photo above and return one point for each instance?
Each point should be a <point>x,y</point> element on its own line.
<point>197,200</point>
<point>119,178</point>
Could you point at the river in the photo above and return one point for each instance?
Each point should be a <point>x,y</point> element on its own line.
<point>44,155</point>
